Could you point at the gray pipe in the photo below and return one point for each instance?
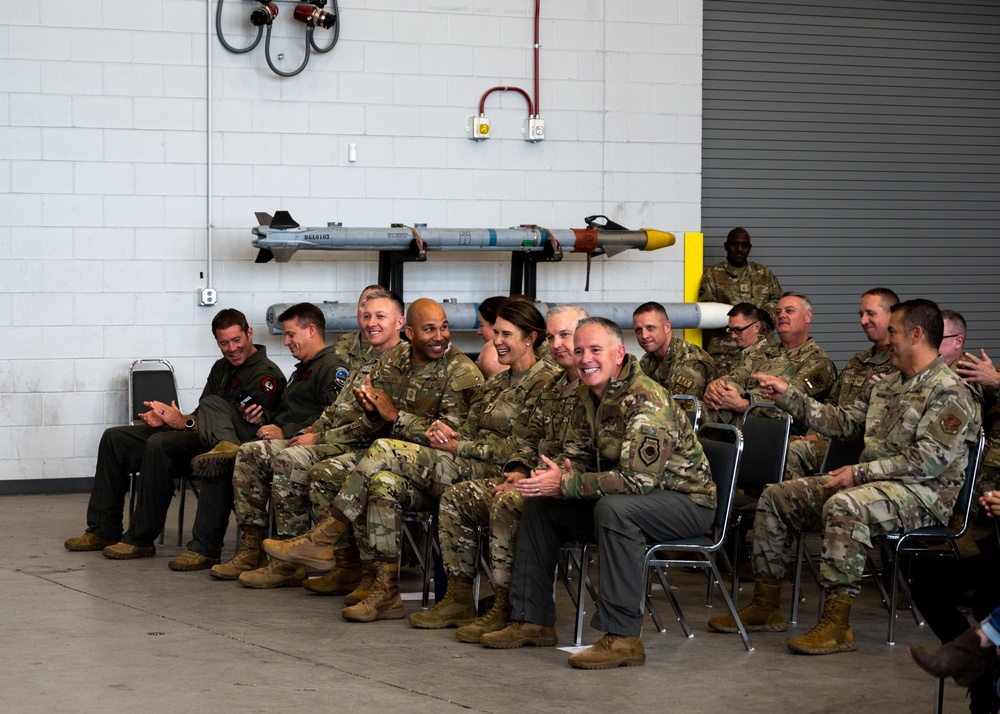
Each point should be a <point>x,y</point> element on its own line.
<point>462,317</point>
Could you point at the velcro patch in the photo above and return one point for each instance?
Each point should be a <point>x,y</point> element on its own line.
<point>951,424</point>
<point>341,376</point>
<point>269,385</point>
<point>649,451</point>
<point>683,382</point>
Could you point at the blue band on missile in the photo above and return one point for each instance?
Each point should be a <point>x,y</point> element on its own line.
<point>493,236</point>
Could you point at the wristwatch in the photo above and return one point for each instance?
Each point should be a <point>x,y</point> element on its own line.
<point>190,423</point>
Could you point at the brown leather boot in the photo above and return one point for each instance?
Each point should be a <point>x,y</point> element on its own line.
<point>609,652</point>
<point>493,621</point>
<point>763,614</point>
<point>964,658</point>
<point>455,609</point>
<point>249,556</point>
<point>276,574</point>
<point>365,586</point>
<point>833,632</point>
<point>344,577</point>
<point>519,634</point>
<point>217,462</point>
<point>313,549</point>
<point>383,602</point>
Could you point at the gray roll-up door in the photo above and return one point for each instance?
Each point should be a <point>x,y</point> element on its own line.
<point>858,142</point>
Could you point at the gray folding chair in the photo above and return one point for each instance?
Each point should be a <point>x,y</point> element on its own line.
<point>426,521</point>
<point>765,445</point>
<point>692,407</point>
<point>724,459</point>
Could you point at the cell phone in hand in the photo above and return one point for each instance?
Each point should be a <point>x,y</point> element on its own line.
<point>245,399</point>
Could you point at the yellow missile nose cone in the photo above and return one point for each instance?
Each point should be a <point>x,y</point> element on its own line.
<point>658,239</point>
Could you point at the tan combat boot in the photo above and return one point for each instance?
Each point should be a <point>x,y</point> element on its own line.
<point>191,560</point>
<point>609,652</point>
<point>456,608</point>
<point>365,586</point>
<point>313,549</point>
<point>217,462</point>
<point>763,614</point>
<point>344,578</point>
<point>519,634</point>
<point>276,574</point>
<point>383,602</point>
<point>964,658</point>
<point>832,633</point>
<point>493,621</point>
<point>88,541</point>
<point>249,557</point>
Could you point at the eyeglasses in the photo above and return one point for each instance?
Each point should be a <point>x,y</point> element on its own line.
<point>741,330</point>
<point>945,337</point>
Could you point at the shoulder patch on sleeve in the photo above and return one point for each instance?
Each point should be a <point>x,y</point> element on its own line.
<point>951,423</point>
<point>340,376</point>
<point>269,385</point>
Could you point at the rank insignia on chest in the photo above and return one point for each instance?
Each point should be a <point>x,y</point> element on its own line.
<point>411,394</point>
<point>951,424</point>
<point>649,451</point>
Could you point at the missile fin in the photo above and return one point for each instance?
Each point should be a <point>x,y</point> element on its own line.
<point>263,219</point>
<point>264,256</point>
<point>283,219</point>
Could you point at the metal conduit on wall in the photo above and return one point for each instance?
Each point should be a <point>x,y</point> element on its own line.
<point>462,317</point>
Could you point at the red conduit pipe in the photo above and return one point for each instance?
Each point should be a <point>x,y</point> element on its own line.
<point>533,109</point>
<point>482,102</point>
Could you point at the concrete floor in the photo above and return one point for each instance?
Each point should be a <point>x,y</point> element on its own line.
<point>82,633</point>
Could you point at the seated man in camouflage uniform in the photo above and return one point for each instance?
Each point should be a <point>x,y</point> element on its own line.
<point>798,359</point>
<point>494,503</point>
<point>677,365</point>
<point>395,475</point>
<point>746,327</point>
<point>916,424</point>
<point>353,348</point>
<point>805,453</point>
<point>631,470</point>
<point>412,387</point>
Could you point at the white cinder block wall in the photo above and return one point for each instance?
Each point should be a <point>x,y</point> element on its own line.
<point>103,189</point>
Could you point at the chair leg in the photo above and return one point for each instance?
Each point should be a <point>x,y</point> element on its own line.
<point>730,603</point>
<point>580,598</point>
<point>797,586</point>
<point>939,699</point>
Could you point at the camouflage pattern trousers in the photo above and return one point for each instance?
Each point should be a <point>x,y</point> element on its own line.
<point>468,506</point>
<point>848,520</point>
<point>805,456</point>
<point>277,471</point>
<point>394,476</point>
<point>325,479</point>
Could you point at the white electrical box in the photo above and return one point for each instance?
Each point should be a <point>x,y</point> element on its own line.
<point>534,129</point>
<point>478,127</point>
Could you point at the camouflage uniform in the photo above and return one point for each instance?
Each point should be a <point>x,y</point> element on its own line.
<point>916,432</point>
<point>806,455</point>
<point>354,351</point>
<point>441,389</point>
<point>395,475</point>
<point>989,472</point>
<point>470,505</point>
<point>275,469</point>
<point>806,366</point>
<point>684,369</point>
<point>753,283</point>
<point>638,473</point>
<point>733,359</point>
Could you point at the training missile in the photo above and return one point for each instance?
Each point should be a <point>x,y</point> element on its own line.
<point>280,236</point>
<point>463,316</point>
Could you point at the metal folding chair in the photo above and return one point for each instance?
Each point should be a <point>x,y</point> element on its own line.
<point>765,445</point>
<point>724,458</point>
<point>428,550</point>
<point>692,407</point>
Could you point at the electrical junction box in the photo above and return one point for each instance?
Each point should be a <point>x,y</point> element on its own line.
<point>534,129</point>
<point>207,296</point>
<point>478,127</point>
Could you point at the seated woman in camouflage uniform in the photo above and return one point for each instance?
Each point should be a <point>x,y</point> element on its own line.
<point>494,503</point>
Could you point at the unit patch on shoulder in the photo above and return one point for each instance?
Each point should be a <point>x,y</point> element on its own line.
<point>269,385</point>
<point>649,450</point>
<point>951,424</point>
<point>340,377</point>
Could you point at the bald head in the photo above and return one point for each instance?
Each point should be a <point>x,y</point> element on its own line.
<point>427,329</point>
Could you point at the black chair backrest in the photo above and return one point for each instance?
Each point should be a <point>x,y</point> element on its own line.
<point>963,504</point>
<point>724,460</point>
<point>842,452</point>
<point>150,380</point>
<point>765,444</point>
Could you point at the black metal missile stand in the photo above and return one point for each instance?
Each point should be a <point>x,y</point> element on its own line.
<point>523,268</point>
